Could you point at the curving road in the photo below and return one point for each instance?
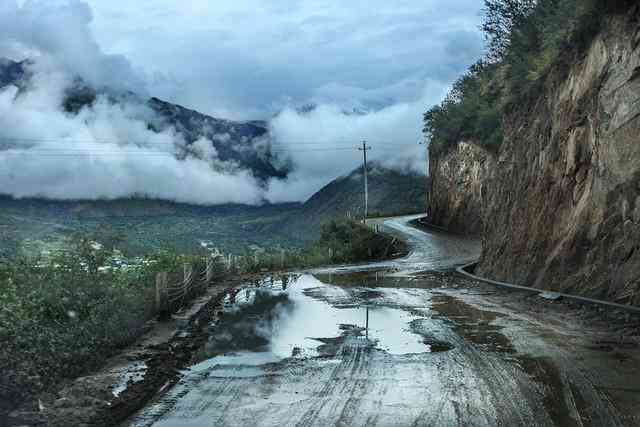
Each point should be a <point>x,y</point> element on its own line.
<point>365,346</point>
<point>428,250</point>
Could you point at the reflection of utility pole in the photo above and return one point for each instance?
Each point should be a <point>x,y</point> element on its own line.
<point>364,150</point>
<point>367,323</point>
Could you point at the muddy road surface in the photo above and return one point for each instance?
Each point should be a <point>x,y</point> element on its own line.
<point>403,343</point>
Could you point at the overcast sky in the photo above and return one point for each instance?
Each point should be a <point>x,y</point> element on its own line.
<point>249,58</point>
<point>236,59</point>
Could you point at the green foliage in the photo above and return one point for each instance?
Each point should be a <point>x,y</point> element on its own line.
<point>65,314</point>
<point>469,112</point>
<point>551,27</point>
<point>525,40</point>
<point>341,241</point>
<point>502,18</point>
<point>137,227</point>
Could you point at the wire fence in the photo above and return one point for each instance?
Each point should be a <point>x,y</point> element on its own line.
<point>173,290</point>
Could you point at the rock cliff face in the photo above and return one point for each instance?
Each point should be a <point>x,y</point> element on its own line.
<point>459,179</point>
<point>562,206</point>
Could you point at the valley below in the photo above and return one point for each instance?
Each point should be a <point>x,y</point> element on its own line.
<point>138,226</point>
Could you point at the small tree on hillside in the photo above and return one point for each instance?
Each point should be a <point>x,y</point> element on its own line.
<point>502,18</point>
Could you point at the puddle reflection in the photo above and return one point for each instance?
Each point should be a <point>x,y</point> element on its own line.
<point>293,316</point>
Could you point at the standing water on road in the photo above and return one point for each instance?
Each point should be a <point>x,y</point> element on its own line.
<point>438,350</point>
<point>296,350</point>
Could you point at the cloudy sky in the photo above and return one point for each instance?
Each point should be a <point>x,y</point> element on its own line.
<point>235,59</point>
<point>250,58</point>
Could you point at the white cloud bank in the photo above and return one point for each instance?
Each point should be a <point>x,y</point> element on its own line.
<point>395,62</point>
<point>57,155</point>
<point>393,133</point>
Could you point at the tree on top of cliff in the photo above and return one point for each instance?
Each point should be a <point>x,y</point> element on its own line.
<point>501,18</point>
<point>467,113</point>
<point>525,40</point>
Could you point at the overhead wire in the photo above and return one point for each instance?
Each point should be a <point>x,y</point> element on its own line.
<point>339,143</point>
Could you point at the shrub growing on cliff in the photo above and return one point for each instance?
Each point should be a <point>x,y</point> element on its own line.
<point>469,112</point>
<point>525,39</point>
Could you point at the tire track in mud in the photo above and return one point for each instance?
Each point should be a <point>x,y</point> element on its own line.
<point>353,361</point>
<point>480,371</point>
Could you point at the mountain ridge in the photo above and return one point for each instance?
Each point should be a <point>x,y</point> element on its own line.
<point>244,144</point>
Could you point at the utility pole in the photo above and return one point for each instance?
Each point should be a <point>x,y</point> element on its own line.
<point>426,145</point>
<point>364,150</point>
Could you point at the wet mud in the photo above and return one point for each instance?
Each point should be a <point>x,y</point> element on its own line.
<point>401,345</point>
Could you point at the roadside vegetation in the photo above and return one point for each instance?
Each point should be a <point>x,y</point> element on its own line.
<point>65,314</point>
<point>341,241</point>
<point>526,39</point>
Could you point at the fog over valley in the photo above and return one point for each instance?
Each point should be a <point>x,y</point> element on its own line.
<point>76,120</point>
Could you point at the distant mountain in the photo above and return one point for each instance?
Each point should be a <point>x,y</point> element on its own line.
<point>118,208</point>
<point>12,72</point>
<point>245,144</point>
<point>351,110</point>
<point>150,223</point>
<point>390,192</point>
<point>233,140</point>
<point>33,225</point>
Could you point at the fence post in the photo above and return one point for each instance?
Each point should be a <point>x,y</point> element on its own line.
<point>161,293</point>
<point>209,271</point>
<point>187,269</point>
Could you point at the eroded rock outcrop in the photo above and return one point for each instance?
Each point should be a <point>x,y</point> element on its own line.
<point>459,178</point>
<point>561,208</point>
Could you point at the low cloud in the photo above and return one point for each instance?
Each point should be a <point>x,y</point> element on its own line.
<point>106,151</point>
<point>324,142</point>
<point>60,33</point>
<point>394,64</point>
<point>248,59</point>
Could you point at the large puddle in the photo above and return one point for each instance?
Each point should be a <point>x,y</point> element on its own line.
<point>295,317</point>
<point>279,339</point>
<point>311,316</point>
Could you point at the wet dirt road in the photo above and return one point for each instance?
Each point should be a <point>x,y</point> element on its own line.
<point>383,345</point>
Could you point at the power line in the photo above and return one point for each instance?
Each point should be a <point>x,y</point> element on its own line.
<point>143,153</point>
<point>338,143</point>
<point>90,154</point>
<point>104,147</point>
<point>105,140</point>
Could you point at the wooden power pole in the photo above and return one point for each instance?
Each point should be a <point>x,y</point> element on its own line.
<point>364,150</point>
